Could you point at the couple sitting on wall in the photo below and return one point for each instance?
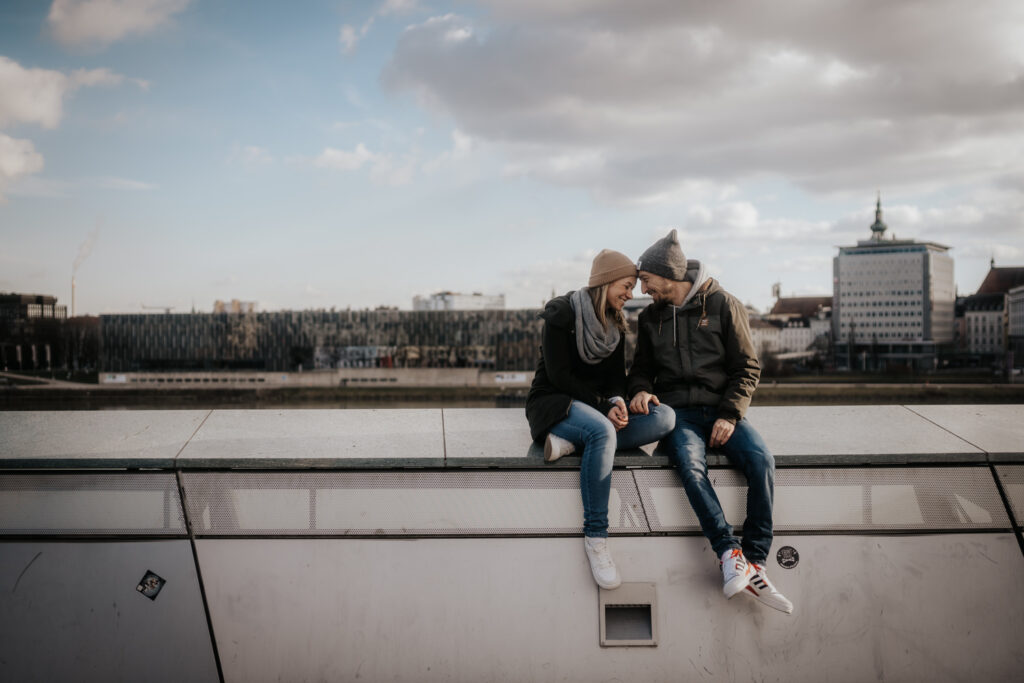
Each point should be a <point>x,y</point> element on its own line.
<point>691,381</point>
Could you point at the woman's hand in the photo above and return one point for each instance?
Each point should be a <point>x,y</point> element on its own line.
<point>618,415</point>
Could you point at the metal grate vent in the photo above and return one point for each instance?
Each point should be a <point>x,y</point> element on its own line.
<point>400,503</point>
<point>90,504</point>
<point>889,499</point>
<point>629,615</point>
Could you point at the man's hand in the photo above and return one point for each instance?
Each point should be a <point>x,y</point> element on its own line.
<point>720,432</point>
<point>618,415</point>
<point>640,402</point>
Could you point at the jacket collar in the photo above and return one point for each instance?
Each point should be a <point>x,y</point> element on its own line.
<point>709,287</point>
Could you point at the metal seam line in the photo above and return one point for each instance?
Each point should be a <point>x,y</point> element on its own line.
<point>199,572</point>
<point>174,460</point>
<point>643,508</point>
<point>926,419</point>
<point>1009,508</point>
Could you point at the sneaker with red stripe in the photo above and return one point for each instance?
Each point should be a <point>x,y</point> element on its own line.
<point>766,592</point>
<point>736,572</point>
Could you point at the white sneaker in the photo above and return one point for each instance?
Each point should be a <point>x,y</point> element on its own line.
<point>601,564</point>
<point>555,447</point>
<point>766,592</point>
<point>736,572</point>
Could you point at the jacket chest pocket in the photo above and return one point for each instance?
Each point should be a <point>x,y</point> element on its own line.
<point>706,334</point>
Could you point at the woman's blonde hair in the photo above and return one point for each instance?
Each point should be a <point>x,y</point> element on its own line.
<point>599,297</point>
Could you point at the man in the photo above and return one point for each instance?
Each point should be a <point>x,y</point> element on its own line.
<point>694,353</point>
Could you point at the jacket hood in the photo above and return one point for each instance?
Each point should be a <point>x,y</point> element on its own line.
<point>695,294</point>
<point>695,269</point>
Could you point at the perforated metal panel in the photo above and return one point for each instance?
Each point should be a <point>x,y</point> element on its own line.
<point>90,504</point>
<point>399,503</point>
<point>897,499</point>
<point>1012,478</point>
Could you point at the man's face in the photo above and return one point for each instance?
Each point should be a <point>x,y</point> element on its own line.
<point>662,290</point>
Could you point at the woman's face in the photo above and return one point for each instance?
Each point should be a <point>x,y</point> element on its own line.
<point>619,292</point>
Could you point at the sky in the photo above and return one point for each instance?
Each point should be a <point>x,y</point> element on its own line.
<point>319,154</point>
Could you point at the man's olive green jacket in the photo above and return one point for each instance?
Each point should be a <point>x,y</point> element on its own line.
<point>700,354</point>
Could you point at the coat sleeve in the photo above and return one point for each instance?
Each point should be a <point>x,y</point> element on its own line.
<point>556,346</point>
<point>642,373</point>
<point>741,362</point>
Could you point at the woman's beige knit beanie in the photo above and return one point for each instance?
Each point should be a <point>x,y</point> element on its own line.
<point>609,266</point>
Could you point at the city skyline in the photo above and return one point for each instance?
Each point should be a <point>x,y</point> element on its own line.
<point>359,154</point>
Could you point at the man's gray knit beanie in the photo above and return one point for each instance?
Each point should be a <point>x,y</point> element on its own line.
<point>665,258</point>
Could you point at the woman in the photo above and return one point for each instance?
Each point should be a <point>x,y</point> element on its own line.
<point>577,399</point>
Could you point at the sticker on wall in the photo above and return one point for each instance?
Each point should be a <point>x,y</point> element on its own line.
<point>150,585</point>
<point>787,557</point>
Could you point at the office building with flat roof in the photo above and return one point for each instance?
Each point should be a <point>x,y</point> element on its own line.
<point>893,302</point>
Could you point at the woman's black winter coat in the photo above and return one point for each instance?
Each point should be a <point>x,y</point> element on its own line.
<point>562,376</point>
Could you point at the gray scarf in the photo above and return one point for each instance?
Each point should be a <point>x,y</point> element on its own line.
<point>594,342</point>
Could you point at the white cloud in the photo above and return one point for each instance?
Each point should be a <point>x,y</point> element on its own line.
<point>636,102</point>
<point>31,95</point>
<point>99,23</point>
<point>462,144</point>
<point>461,151</point>
<point>17,158</point>
<point>385,169</point>
<point>343,160</point>
<point>36,96</point>
<point>348,39</point>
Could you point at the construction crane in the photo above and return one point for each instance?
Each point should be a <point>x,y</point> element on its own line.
<point>165,309</point>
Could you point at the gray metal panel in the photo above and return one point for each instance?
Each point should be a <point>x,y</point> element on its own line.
<point>89,504</point>
<point>317,438</point>
<point>996,429</point>
<point>942,607</point>
<point>400,503</point>
<point>889,499</point>
<point>70,612</point>
<point>489,437</point>
<point>135,438</point>
<point>1012,479</point>
<point>816,435</point>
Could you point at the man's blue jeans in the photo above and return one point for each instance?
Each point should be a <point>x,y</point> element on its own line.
<point>748,452</point>
<point>594,435</point>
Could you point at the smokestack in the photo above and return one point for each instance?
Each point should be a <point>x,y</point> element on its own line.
<point>84,249</point>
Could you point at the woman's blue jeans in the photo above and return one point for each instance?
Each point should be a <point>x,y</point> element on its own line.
<point>594,435</point>
<point>748,452</point>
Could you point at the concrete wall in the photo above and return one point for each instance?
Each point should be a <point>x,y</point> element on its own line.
<point>435,545</point>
